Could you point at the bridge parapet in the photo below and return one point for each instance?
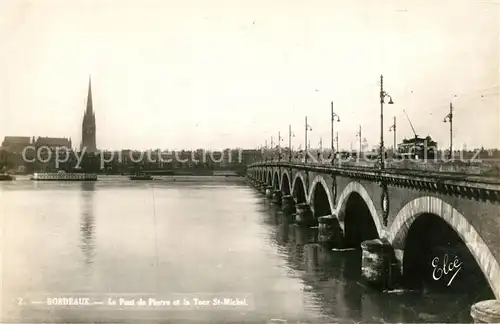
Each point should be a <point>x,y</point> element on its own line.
<point>486,167</point>
<point>472,187</point>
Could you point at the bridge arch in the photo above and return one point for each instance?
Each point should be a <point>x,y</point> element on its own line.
<point>299,190</point>
<point>432,205</point>
<point>285,185</point>
<point>320,197</point>
<point>356,187</point>
<point>269,178</point>
<point>276,180</point>
<point>365,224</point>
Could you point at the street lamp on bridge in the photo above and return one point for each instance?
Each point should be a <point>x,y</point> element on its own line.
<point>290,134</point>
<point>307,127</point>
<point>358,134</point>
<point>334,115</point>
<point>279,146</point>
<point>337,140</point>
<point>265,151</point>
<point>272,149</point>
<point>393,128</point>
<point>449,118</point>
<point>383,95</point>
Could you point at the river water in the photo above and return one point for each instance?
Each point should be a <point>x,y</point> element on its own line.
<point>206,238</point>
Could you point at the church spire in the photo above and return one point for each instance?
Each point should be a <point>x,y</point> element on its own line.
<point>89,110</point>
<point>88,125</point>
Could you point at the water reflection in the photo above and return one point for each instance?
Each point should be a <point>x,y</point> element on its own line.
<point>324,273</point>
<point>272,215</point>
<point>87,223</point>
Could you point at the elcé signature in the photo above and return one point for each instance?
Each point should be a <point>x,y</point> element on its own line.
<point>447,268</point>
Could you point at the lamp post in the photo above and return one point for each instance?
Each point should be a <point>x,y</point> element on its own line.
<point>449,118</point>
<point>393,128</point>
<point>279,146</point>
<point>272,149</point>
<point>333,120</point>
<point>337,140</point>
<point>307,127</point>
<point>359,135</point>
<point>383,95</point>
<point>265,152</point>
<point>290,134</point>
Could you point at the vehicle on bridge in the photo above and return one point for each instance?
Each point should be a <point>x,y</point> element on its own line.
<point>417,148</point>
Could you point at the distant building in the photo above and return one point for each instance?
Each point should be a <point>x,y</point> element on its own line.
<point>251,156</point>
<point>52,142</point>
<point>16,144</point>
<point>88,126</point>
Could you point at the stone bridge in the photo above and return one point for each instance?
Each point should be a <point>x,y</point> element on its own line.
<point>421,215</point>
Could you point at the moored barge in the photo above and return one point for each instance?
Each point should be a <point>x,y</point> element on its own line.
<point>6,177</point>
<point>140,176</point>
<point>63,176</point>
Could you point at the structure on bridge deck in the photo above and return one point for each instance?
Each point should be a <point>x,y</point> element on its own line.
<point>420,216</point>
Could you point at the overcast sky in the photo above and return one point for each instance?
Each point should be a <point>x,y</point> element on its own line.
<point>213,74</point>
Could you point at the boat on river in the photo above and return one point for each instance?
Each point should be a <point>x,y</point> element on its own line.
<point>6,177</point>
<point>64,176</point>
<point>140,176</point>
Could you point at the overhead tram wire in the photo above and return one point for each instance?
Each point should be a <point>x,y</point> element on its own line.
<point>469,96</point>
<point>464,100</point>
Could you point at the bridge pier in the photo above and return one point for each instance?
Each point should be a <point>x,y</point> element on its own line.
<point>287,204</point>
<point>330,232</point>
<point>304,216</point>
<point>255,183</point>
<point>277,197</point>
<point>303,236</point>
<point>378,266</point>
<point>487,311</point>
<point>269,192</point>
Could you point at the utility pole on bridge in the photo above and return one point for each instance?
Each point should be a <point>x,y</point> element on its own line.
<point>290,141</point>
